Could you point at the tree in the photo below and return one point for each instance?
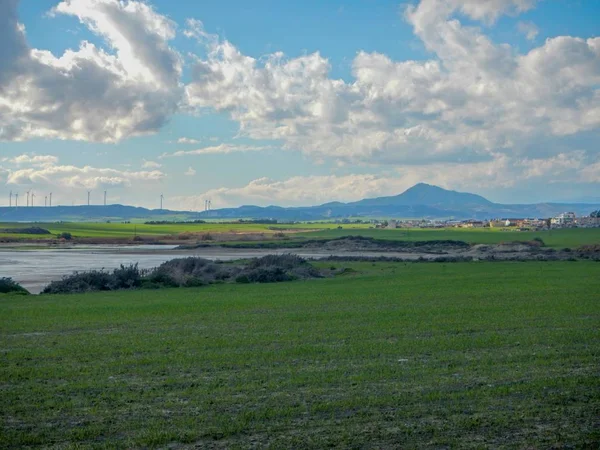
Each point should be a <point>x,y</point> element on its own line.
<point>595,214</point>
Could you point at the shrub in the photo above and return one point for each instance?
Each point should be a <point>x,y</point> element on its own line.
<point>540,241</point>
<point>125,277</point>
<point>275,268</point>
<point>8,285</point>
<point>94,280</point>
<point>66,236</point>
<point>242,279</point>
<point>193,271</point>
<point>30,230</point>
<point>286,261</point>
<point>194,282</point>
<point>159,279</point>
<point>265,275</point>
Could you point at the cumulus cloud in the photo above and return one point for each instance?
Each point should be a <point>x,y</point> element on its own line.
<point>498,172</point>
<point>3,174</point>
<point>151,165</point>
<point>185,140</point>
<point>35,160</point>
<point>90,94</point>
<point>473,99</point>
<point>477,111</point>
<point>86,177</point>
<point>486,10</point>
<point>591,173</point>
<point>216,149</point>
<point>43,173</point>
<point>529,29</point>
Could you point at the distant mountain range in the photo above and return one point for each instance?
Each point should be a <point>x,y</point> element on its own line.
<point>420,201</point>
<point>92,213</point>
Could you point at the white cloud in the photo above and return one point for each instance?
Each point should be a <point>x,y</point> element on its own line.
<point>487,10</point>
<point>69,183</point>
<point>190,172</point>
<point>86,177</point>
<point>475,98</point>
<point>591,173</point>
<point>151,165</point>
<point>217,149</point>
<point>34,160</point>
<point>529,29</point>
<point>90,94</point>
<point>185,140</point>
<point>475,112</point>
<point>3,174</point>
<point>498,172</point>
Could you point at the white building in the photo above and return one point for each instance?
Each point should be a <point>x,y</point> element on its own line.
<point>566,218</point>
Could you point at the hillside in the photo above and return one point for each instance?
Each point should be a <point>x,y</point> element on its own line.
<point>88,213</point>
<point>420,201</point>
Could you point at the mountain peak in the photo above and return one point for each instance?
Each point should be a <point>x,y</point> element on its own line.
<point>424,194</point>
<point>424,187</point>
<point>428,194</point>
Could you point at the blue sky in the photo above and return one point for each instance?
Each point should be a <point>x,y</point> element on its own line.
<point>297,103</point>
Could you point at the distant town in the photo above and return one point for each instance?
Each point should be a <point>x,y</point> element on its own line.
<point>563,220</point>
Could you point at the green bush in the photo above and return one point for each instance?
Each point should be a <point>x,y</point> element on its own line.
<point>286,261</point>
<point>277,268</point>
<point>8,285</point>
<point>266,275</point>
<point>125,277</point>
<point>540,241</point>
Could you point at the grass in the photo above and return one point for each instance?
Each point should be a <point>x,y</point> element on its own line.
<point>129,230</point>
<point>571,238</point>
<point>390,355</point>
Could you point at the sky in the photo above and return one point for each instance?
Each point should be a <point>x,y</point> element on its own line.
<point>298,103</point>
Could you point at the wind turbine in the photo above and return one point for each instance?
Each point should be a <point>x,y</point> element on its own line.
<point>28,197</point>
<point>50,199</point>
<point>89,192</point>
<point>17,200</point>
<point>10,199</point>
<point>161,201</point>
<point>104,198</point>
<point>32,198</point>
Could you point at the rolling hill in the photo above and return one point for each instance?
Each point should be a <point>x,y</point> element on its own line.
<point>420,201</point>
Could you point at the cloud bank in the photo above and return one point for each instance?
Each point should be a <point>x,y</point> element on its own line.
<point>44,173</point>
<point>89,94</point>
<point>474,112</point>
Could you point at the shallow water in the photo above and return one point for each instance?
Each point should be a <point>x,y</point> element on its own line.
<point>34,268</point>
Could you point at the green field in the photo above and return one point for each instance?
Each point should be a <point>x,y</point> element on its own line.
<point>129,230</point>
<point>571,238</point>
<point>479,355</point>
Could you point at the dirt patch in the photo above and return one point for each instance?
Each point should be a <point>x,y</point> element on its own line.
<point>359,243</point>
<point>452,251</point>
